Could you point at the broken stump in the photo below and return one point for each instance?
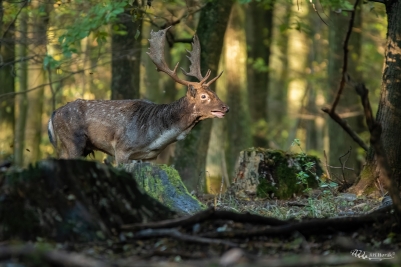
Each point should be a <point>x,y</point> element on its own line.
<point>273,173</point>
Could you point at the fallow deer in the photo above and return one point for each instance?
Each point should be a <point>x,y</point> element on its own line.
<point>136,129</point>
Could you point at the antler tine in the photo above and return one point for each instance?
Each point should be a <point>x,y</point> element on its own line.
<point>156,54</point>
<point>194,57</point>
<point>206,77</point>
<point>215,78</point>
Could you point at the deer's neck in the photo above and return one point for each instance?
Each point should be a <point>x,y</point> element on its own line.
<point>179,116</point>
<point>163,124</point>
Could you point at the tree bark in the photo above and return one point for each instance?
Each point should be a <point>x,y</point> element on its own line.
<point>314,125</point>
<point>259,29</point>
<point>190,154</point>
<point>126,58</point>
<point>21,100</point>
<point>278,97</point>
<point>389,110</point>
<point>7,76</point>
<point>238,131</point>
<point>36,77</point>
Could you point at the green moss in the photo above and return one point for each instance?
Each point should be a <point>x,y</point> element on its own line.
<point>164,184</point>
<point>278,172</point>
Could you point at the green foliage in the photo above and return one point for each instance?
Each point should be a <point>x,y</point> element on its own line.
<point>309,167</point>
<point>337,5</point>
<point>50,63</point>
<point>97,16</point>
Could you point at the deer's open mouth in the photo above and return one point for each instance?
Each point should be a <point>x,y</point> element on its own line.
<point>218,114</point>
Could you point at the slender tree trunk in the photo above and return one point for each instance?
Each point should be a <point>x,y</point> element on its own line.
<point>7,76</point>
<point>36,77</point>
<point>349,105</point>
<point>314,124</point>
<point>22,81</point>
<point>389,110</point>
<point>238,122</point>
<point>259,24</point>
<point>126,59</point>
<point>278,100</point>
<point>190,154</point>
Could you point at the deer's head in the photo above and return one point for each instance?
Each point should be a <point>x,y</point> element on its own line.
<point>206,104</point>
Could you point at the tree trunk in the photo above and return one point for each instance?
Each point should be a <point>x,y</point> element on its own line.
<point>259,24</point>
<point>7,76</point>
<point>314,124</point>
<point>389,110</point>
<point>278,97</point>
<point>239,133</point>
<point>21,100</point>
<point>349,106</point>
<point>190,159</point>
<point>36,77</point>
<point>126,59</point>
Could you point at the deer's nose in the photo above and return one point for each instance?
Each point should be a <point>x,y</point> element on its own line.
<point>225,109</point>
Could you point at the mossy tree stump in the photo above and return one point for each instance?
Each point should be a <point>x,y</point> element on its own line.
<point>273,173</point>
<point>163,183</point>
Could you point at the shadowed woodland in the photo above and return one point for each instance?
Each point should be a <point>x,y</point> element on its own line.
<point>310,84</point>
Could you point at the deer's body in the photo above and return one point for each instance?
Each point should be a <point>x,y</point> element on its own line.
<point>134,129</point>
<point>128,129</point>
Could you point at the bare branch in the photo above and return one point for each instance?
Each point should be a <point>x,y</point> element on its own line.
<point>343,164</point>
<point>346,128</point>
<point>345,60</point>
<point>15,18</point>
<point>317,12</point>
<point>174,233</point>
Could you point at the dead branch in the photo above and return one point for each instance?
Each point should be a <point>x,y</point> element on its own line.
<point>247,218</point>
<point>24,3</point>
<point>363,92</point>
<point>317,12</point>
<point>316,226</point>
<point>209,214</point>
<point>174,233</point>
<point>346,128</point>
<point>343,164</point>
<point>188,220</point>
<point>331,111</point>
<point>345,59</point>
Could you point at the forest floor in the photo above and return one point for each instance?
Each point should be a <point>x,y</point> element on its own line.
<point>217,237</point>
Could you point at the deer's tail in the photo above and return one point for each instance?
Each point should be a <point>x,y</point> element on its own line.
<point>50,131</point>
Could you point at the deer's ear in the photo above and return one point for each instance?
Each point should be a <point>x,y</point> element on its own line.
<point>191,90</point>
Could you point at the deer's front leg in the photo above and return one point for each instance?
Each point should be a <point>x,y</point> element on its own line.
<point>71,148</point>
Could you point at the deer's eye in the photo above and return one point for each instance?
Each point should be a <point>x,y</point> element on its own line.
<point>203,96</point>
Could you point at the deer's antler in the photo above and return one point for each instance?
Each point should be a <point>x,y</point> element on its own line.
<point>156,53</point>
<point>194,57</point>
